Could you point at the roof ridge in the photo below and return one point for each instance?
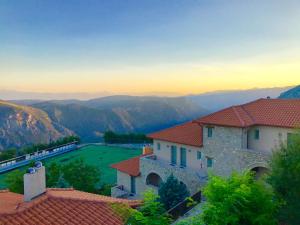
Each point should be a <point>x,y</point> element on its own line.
<point>248,114</point>
<point>61,189</point>
<point>238,115</point>
<point>95,198</point>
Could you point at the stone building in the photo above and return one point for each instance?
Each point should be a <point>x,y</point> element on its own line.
<point>237,138</point>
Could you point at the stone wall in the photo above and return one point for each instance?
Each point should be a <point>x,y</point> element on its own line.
<point>226,149</point>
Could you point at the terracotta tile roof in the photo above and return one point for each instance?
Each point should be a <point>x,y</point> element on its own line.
<point>188,134</point>
<point>266,112</point>
<point>61,206</point>
<point>129,166</point>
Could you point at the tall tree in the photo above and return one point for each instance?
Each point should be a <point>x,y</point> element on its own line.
<point>285,179</point>
<point>172,192</point>
<point>81,176</point>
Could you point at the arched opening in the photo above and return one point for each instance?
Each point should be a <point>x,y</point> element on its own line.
<point>259,171</point>
<point>153,179</point>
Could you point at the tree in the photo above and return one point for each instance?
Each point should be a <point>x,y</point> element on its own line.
<point>14,181</point>
<point>151,212</point>
<point>172,192</point>
<point>81,176</point>
<point>239,199</point>
<point>285,179</point>
<point>62,183</point>
<point>8,154</point>
<point>53,173</point>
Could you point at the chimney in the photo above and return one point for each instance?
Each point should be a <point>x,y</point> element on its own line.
<point>34,182</point>
<point>147,149</point>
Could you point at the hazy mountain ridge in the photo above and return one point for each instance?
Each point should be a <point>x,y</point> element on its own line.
<point>215,101</point>
<point>23,125</point>
<point>292,93</point>
<point>89,119</point>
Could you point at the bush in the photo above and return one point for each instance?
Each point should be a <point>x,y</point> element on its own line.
<point>15,182</point>
<point>237,200</point>
<point>151,212</point>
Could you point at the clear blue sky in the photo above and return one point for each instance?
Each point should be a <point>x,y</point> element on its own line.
<point>99,45</point>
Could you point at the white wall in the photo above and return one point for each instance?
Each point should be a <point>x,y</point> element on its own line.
<point>164,154</point>
<point>270,138</point>
<point>125,180</point>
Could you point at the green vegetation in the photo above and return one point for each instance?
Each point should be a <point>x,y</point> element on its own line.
<point>285,179</point>
<point>15,181</point>
<point>151,212</point>
<point>239,199</point>
<point>172,192</point>
<point>112,138</point>
<point>81,176</point>
<point>76,174</point>
<point>100,156</point>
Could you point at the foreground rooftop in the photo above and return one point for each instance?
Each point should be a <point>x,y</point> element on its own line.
<point>61,206</point>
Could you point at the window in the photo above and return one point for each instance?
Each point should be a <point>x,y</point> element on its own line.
<point>158,146</point>
<point>173,155</point>
<point>199,155</point>
<point>209,162</point>
<point>209,131</point>
<point>256,134</point>
<point>182,157</point>
<point>132,184</point>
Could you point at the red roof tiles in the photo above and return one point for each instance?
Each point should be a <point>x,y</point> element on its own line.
<point>129,166</point>
<point>265,112</point>
<point>188,134</point>
<point>61,206</point>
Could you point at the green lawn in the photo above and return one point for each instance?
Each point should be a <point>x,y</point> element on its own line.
<point>99,156</point>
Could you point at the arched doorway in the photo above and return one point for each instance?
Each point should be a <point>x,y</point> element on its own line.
<point>259,171</point>
<point>153,179</point>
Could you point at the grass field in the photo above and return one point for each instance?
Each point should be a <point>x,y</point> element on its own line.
<point>99,156</point>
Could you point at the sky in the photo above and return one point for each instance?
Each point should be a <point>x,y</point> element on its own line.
<point>148,46</point>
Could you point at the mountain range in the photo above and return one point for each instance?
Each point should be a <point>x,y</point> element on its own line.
<point>23,125</point>
<point>23,122</point>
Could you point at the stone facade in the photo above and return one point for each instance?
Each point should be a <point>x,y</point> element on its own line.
<point>228,150</point>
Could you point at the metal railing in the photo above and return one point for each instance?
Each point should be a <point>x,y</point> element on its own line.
<point>23,160</point>
<point>183,207</point>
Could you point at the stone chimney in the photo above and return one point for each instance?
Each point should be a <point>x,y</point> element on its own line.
<point>147,149</point>
<point>34,182</point>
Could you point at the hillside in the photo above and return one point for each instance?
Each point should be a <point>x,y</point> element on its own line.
<point>292,93</point>
<point>89,119</point>
<point>23,125</point>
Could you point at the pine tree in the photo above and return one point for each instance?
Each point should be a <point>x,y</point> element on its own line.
<point>172,192</point>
